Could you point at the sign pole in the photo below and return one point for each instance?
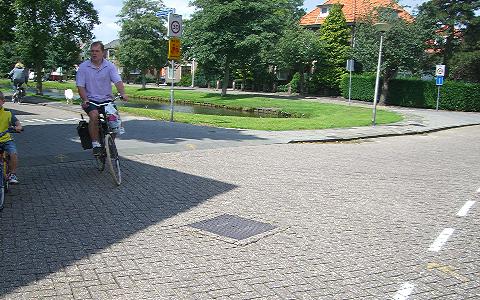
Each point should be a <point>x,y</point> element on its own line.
<point>350,89</point>
<point>171,91</point>
<point>174,33</point>
<point>438,96</point>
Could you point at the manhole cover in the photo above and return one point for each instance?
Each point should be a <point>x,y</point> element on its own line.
<point>233,226</point>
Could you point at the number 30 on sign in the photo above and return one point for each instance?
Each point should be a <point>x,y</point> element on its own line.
<point>174,49</point>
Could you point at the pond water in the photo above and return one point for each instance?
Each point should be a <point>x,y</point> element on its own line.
<point>186,108</point>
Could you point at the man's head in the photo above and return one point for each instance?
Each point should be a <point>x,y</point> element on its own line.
<point>19,65</point>
<point>96,51</point>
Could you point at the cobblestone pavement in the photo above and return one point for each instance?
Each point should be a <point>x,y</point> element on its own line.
<point>354,220</point>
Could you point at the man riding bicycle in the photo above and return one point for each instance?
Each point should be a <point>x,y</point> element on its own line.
<point>93,79</point>
<point>7,120</point>
<point>19,75</point>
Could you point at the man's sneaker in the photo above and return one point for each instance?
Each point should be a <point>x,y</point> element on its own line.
<point>12,179</point>
<point>97,151</point>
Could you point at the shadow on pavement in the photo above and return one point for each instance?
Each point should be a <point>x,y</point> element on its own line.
<point>65,213</point>
<point>50,143</point>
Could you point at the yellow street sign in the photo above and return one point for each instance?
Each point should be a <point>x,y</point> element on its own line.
<point>174,49</point>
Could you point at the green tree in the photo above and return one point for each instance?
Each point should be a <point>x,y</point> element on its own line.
<point>336,37</point>
<point>7,20</point>
<point>8,56</point>
<point>142,39</point>
<point>451,19</point>
<point>297,49</point>
<point>403,48</point>
<point>40,24</point>
<point>237,34</point>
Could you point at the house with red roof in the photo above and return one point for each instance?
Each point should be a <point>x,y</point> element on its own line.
<point>354,10</point>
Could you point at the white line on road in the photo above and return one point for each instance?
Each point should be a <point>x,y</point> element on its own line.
<point>478,191</point>
<point>58,119</point>
<point>464,210</point>
<point>29,121</point>
<point>37,120</point>
<point>441,240</point>
<point>50,120</point>
<point>404,293</point>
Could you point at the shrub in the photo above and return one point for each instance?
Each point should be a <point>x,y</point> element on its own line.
<point>363,87</point>
<point>295,82</point>
<point>411,92</point>
<point>186,80</point>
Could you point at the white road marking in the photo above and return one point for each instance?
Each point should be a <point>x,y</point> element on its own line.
<point>59,119</point>
<point>466,207</point>
<point>441,240</point>
<point>50,120</point>
<point>29,121</point>
<point>478,191</point>
<point>37,120</point>
<point>404,293</point>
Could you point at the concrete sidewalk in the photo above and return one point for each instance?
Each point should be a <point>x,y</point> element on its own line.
<point>416,121</point>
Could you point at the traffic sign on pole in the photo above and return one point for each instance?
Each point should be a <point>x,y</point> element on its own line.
<point>174,25</point>
<point>174,49</point>
<point>440,70</point>
<point>439,80</point>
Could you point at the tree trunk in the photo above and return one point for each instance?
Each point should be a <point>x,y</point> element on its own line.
<point>38,71</point>
<point>144,80</point>
<point>225,77</point>
<point>389,75</point>
<point>302,79</point>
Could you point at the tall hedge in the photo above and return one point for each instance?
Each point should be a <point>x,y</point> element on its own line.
<point>454,95</point>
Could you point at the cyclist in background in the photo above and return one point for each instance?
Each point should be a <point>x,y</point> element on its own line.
<point>19,75</point>
<point>94,82</point>
<point>7,120</point>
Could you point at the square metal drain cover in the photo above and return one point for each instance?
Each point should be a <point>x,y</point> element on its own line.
<point>234,227</point>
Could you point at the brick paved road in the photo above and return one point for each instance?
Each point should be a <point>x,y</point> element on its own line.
<point>355,221</point>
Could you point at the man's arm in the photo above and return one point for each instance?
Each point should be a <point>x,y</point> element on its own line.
<point>83,94</point>
<point>121,89</point>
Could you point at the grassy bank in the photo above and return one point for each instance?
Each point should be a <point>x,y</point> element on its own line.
<point>304,114</point>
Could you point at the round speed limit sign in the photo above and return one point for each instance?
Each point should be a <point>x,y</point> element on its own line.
<point>174,25</point>
<point>440,70</point>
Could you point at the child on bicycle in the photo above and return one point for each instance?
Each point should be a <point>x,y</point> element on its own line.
<point>7,120</point>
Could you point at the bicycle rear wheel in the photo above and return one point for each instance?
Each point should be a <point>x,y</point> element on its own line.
<point>113,159</point>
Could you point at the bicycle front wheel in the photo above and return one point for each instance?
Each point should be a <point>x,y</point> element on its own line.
<point>3,189</point>
<point>113,159</point>
<point>100,161</point>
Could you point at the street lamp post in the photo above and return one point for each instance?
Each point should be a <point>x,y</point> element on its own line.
<point>382,28</point>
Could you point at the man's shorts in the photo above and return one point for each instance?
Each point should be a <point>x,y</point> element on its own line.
<point>9,147</point>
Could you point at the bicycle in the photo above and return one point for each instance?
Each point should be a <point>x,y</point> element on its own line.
<point>106,137</point>
<point>19,93</point>
<point>5,159</point>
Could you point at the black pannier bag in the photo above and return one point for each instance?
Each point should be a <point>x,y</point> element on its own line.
<point>84,135</point>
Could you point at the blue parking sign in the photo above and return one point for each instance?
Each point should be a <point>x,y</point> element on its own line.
<point>439,80</point>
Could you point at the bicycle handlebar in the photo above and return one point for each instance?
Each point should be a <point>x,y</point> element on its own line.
<point>9,130</point>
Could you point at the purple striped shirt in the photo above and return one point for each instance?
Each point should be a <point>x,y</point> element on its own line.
<point>97,82</point>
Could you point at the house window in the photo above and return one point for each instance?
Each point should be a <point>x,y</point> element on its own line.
<point>324,10</point>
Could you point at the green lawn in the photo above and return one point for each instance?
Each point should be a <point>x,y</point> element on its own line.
<point>304,114</point>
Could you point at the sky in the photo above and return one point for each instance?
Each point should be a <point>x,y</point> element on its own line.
<point>108,30</point>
